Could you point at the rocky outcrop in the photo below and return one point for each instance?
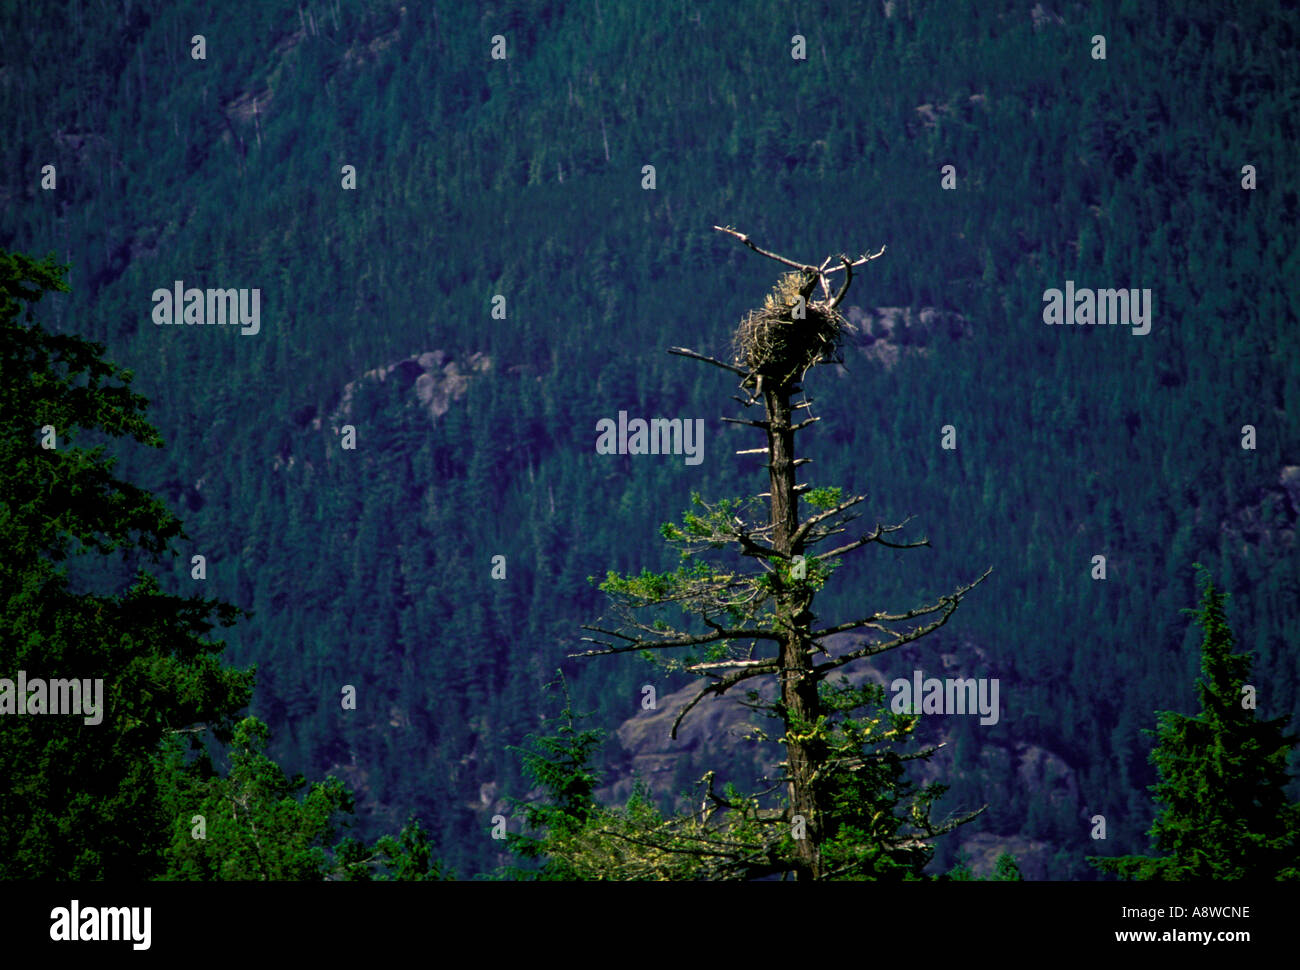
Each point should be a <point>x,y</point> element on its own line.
<point>884,333</point>
<point>1269,519</point>
<point>982,850</point>
<point>435,378</point>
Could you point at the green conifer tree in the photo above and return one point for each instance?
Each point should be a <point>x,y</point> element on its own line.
<point>113,794</point>
<point>747,583</point>
<point>559,764</point>
<point>84,799</point>
<point>1224,812</point>
<point>253,828</point>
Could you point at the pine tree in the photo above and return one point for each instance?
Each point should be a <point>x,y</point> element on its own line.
<point>114,794</point>
<point>559,764</point>
<point>84,800</point>
<point>847,811</point>
<point>1223,812</point>
<point>257,823</point>
<point>1006,869</point>
<point>406,858</point>
<point>253,826</point>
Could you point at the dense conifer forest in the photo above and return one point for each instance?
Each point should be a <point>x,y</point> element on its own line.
<point>1167,165</point>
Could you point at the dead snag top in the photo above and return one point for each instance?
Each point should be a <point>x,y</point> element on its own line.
<point>792,332</point>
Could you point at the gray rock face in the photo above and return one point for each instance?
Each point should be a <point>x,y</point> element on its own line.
<point>436,380</point>
<point>885,333</point>
<point>1268,519</point>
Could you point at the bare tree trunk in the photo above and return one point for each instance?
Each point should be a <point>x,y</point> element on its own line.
<point>780,446</point>
<point>799,701</point>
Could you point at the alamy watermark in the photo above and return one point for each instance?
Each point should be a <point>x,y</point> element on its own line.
<point>75,923</point>
<point>38,696</point>
<point>658,436</point>
<point>242,307</point>
<point>1084,306</point>
<point>953,695</point>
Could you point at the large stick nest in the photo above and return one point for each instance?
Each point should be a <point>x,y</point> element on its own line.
<point>771,342</point>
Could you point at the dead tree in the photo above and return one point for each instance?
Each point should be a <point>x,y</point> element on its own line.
<point>775,347</point>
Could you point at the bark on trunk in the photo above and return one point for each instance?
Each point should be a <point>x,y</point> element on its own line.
<point>798,688</point>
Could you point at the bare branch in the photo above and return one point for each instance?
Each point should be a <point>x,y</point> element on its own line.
<point>811,521</point>
<point>728,663</point>
<point>948,604</point>
<point>608,633</point>
<point>683,352</point>
<point>860,261</point>
<point>848,278</point>
<point>874,537</point>
<point>754,424</point>
<point>722,686</point>
<point>763,252</point>
<point>674,639</point>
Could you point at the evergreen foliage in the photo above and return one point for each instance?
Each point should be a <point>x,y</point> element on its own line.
<point>120,798</point>
<point>85,800</point>
<point>559,764</point>
<point>255,829</point>
<point>522,178</point>
<point>1224,812</point>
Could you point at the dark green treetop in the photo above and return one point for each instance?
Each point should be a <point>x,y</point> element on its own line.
<point>83,800</point>
<point>117,796</point>
<point>1223,813</point>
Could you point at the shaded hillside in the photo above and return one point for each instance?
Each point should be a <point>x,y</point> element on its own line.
<point>522,178</point>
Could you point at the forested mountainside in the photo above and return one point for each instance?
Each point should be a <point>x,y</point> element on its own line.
<point>1165,166</point>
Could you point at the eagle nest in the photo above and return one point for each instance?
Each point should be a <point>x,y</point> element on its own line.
<point>772,343</point>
